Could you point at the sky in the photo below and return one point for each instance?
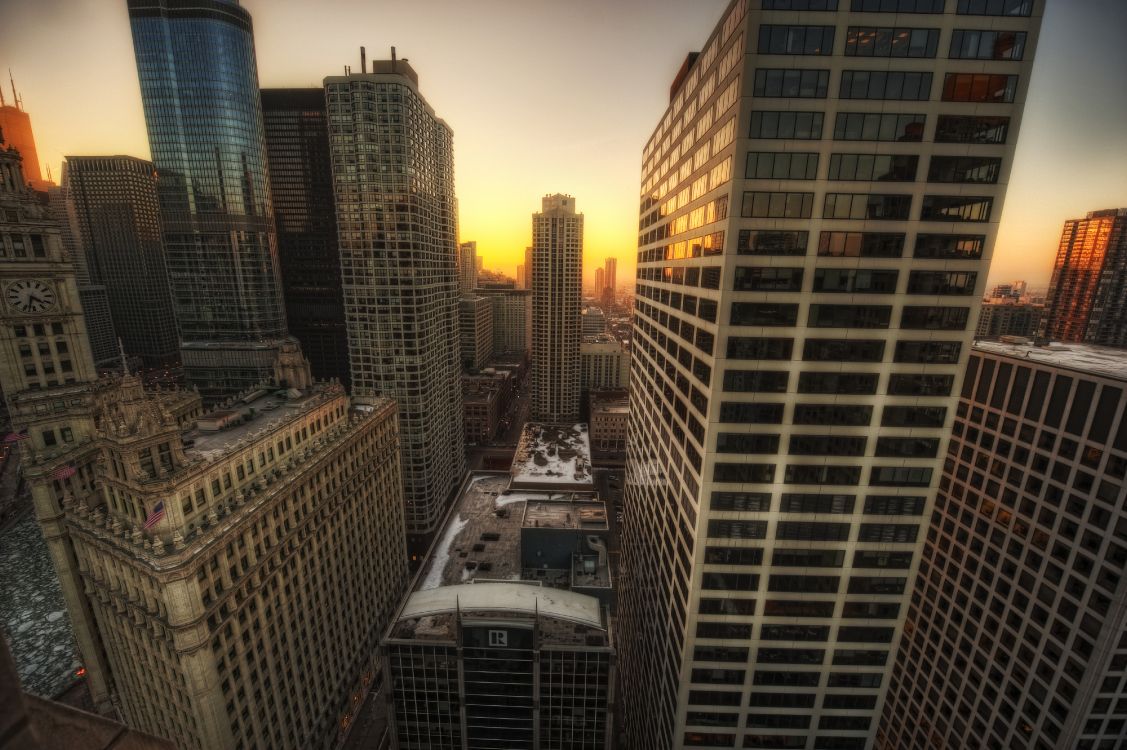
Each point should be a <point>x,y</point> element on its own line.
<point>549,96</point>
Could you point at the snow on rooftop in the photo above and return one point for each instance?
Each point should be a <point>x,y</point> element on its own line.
<point>1102,361</point>
<point>552,455</point>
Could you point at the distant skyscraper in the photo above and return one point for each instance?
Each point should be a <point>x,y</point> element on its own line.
<point>467,267</point>
<point>114,199</point>
<point>16,132</point>
<point>526,282</point>
<point>512,320</point>
<point>557,280</point>
<point>301,187</point>
<point>1016,634</point>
<point>401,287</point>
<point>600,283</point>
<point>609,292</point>
<point>1008,317</point>
<point>199,88</point>
<point>1088,294</point>
<point>818,206</point>
<point>475,324</point>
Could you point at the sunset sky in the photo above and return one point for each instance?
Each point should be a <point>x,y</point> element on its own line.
<point>548,97</point>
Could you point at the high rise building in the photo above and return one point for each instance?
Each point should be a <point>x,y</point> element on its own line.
<point>557,280</point>
<point>1015,634</point>
<point>468,267</point>
<point>475,331</point>
<point>609,292</point>
<point>818,207</point>
<point>600,283</point>
<point>604,363</point>
<point>1008,317</point>
<point>92,293</point>
<point>401,288</point>
<point>114,200</point>
<point>199,88</point>
<point>526,281</point>
<point>16,132</point>
<point>512,319</point>
<point>1088,293</point>
<point>593,320</point>
<point>296,128</point>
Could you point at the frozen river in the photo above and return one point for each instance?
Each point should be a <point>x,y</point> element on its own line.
<point>32,612</point>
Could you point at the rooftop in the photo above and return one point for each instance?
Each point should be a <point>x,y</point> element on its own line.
<point>506,597</point>
<point>551,456</point>
<point>1103,361</point>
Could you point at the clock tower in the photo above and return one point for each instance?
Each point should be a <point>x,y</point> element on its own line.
<point>48,376</point>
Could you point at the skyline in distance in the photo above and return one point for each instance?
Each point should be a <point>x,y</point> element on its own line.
<point>577,126</point>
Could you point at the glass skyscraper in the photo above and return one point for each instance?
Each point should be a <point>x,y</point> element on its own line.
<point>199,87</point>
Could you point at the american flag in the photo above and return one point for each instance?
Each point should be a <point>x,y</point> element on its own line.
<point>63,472</point>
<point>155,516</point>
<point>15,437</point>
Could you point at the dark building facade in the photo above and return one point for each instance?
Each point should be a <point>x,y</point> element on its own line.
<point>1088,294</point>
<point>114,202</point>
<point>199,88</point>
<point>301,185</point>
<point>1016,632</point>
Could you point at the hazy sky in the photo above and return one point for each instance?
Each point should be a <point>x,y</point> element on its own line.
<point>561,96</point>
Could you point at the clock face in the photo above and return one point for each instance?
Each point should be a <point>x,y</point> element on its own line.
<point>30,296</point>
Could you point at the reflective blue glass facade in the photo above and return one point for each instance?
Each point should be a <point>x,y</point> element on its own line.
<point>199,87</point>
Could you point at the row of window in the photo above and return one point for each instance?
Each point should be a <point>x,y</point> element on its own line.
<point>760,502</point>
<point>797,165</point>
<point>874,126</point>
<point>840,383</point>
<point>872,41</point>
<point>829,445</point>
<point>850,281</point>
<point>1013,8</point>
<point>841,350</point>
<point>860,244</point>
<point>866,206</point>
<point>895,85</point>
<point>880,476</point>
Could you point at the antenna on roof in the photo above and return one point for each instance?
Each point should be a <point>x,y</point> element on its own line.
<point>393,59</point>
<point>15,96</point>
<point>363,60</point>
<point>124,361</point>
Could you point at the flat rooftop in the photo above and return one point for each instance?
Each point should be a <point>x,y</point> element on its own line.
<point>1104,361</point>
<point>552,456</point>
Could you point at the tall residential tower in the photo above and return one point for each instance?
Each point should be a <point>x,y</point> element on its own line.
<point>818,209</point>
<point>557,280</point>
<point>393,175</point>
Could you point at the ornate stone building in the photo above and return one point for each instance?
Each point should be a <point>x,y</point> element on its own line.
<point>228,574</point>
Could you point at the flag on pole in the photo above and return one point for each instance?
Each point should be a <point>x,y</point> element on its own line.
<point>155,516</point>
<point>63,472</point>
<point>15,437</point>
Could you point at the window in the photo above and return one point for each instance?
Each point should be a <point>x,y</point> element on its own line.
<point>872,126</point>
<point>791,82</point>
<point>889,447</point>
<point>763,314</point>
<point>861,244</point>
<point>971,129</point>
<point>744,473</point>
<point>799,5</point>
<point>738,412</point>
<point>873,167</point>
<point>767,279</point>
<point>822,474</point>
<point>772,243</point>
<point>800,126</point>
<point>855,281</point>
<point>730,582</point>
<point>897,6</point>
<point>750,502</point>
<point>935,318</point>
<point>731,442</point>
<point>913,416</point>
<point>995,7</point>
<point>851,383</point>
<point>964,169</point>
<point>849,316</point>
<point>897,533</point>
<point>880,559</point>
<point>833,414</point>
<point>950,246</point>
<point>744,347</point>
<point>798,584</point>
<point>843,350</point>
<point>761,205</point>
<point>800,608</point>
<point>974,44</point>
<point>779,165</point>
<point>808,558</point>
<point>722,630</point>
<point>733,556</point>
<point>870,41</point>
<point>979,87</point>
<point>927,352</point>
<point>866,206</point>
<point>826,445</point>
<point>724,529</point>
<point>796,40</point>
<point>885,85</point>
<point>920,385</point>
<point>899,476</point>
<point>755,381</point>
<point>949,283</point>
<point>812,531</point>
<point>868,680</point>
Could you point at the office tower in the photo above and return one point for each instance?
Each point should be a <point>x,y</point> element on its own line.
<point>557,280</point>
<point>609,422</point>
<point>510,646</point>
<point>512,319</point>
<point>593,322</point>
<point>604,363</point>
<point>610,289</point>
<point>401,288</point>
<point>600,283</point>
<point>818,207</point>
<point>475,331</point>
<point>1016,635</point>
<point>16,132</point>
<point>1008,317</point>
<point>199,88</point>
<point>468,267</point>
<point>526,281</point>
<point>479,264</point>
<point>296,127</point>
<point>1088,293</point>
<point>92,293</point>
<point>114,202</point>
